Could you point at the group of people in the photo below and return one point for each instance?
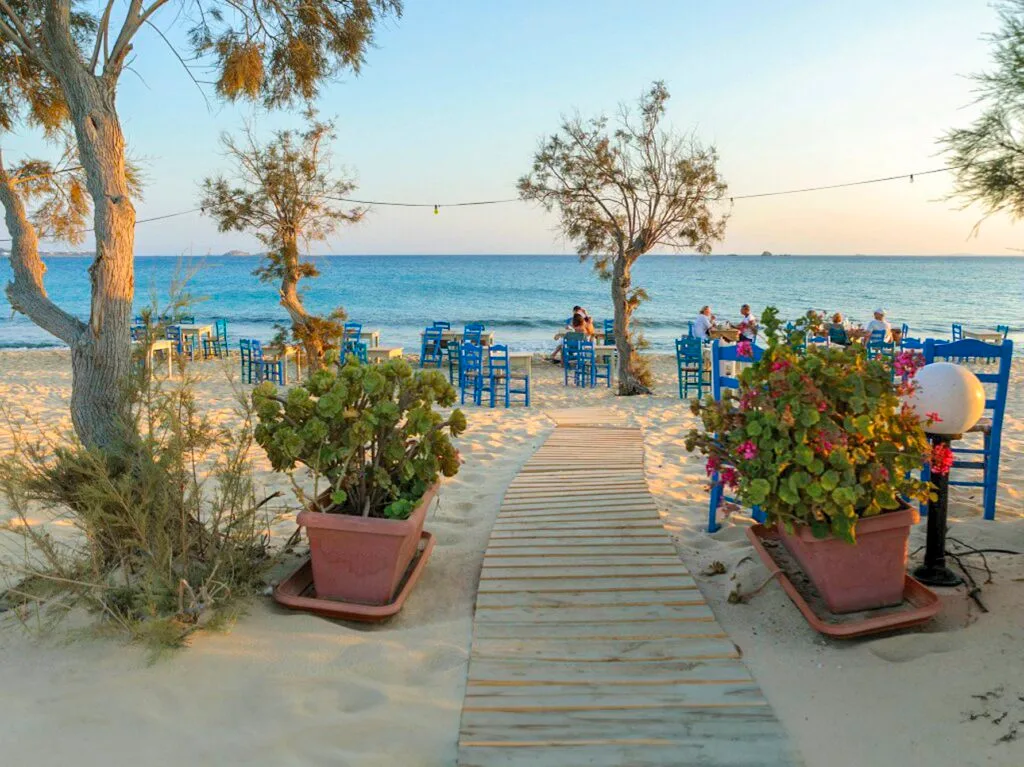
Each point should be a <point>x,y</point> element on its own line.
<point>747,325</point>
<point>706,322</point>
<point>580,322</point>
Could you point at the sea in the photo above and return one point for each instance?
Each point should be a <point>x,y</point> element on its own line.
<point>525,300</point>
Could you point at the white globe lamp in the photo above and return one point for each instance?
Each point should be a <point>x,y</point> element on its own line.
<point>950,391</point>
<point>954,398</point>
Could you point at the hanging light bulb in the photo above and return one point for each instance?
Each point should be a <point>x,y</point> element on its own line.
<point>436,210</point>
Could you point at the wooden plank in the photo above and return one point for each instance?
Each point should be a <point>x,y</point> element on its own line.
<point>581,549</point>
<point>558,697</point>
<point>511,672</point>
<point>592,585</point>
<point>647,532</point>
<point>605,651</point>
<point>570,562</point>
<point>570,514</point>
<point>681,596</point>
<point>601,570</point>
<point>694,609</point>
<point>686,628</point>
<point>567,525</point>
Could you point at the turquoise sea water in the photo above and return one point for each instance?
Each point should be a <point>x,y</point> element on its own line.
<point>525,299</point>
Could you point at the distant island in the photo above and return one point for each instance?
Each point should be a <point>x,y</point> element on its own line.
<point>237,253</point>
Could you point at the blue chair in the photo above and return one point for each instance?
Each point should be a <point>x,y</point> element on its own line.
<point>431,351</point>
<point>441,324</point>
<point>689,328</point>
<point>838,336</point>
<point>609,332</point>
<point>182,342</point>
<point>1004,329</point>
<point>217,345</point>
<point>471,372</point>
<point>255,368</point>
<point>571,343</point>
<point>991,426</point>
<point>879,348</point>
<point>719,383</point>
<point>473,333</point>
<point>588,370</point>
<point>501,377</point>
<point>906,342</point>
<point>690,365</point>
<point>958,331</point>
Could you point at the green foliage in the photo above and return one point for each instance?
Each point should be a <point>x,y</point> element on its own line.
<point>818,437</point>
<point>988,156</point>
<point>170,537</point>
<point>624,190</point>
<point>372,432</point>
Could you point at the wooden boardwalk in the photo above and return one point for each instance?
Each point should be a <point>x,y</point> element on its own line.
<point>591,642</point>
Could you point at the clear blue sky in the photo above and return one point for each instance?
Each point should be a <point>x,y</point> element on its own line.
<point>454,98</point>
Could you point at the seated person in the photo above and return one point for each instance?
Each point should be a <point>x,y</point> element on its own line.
<point>837,331</point>
<point>747,324</point>
<point>703,324</point>
<point>578,325</point>
<point>880,323</point>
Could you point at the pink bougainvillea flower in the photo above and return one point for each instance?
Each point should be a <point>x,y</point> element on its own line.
<point>779,365</point>
<point>729,477</point>
<point>942,459</point>
<point>933,417</point>
<point>822,406</point>
<point>712,465</point>
<point>747,450</point>
<point>744,349</point>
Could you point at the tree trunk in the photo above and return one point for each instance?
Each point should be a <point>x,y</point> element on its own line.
<point>629,384</point>
<point>303,324</point>
<point>101,355</point>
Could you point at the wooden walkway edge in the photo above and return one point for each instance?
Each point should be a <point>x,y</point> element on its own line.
<point>591,643</point>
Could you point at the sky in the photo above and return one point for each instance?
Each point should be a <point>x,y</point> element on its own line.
<point>456,95</point>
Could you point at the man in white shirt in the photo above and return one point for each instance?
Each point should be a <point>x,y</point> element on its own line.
<point>880,323</point>
<point>703,324</point>
<point>748,323</point>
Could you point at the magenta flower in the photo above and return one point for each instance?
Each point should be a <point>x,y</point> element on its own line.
<point>712,465</point>
<point>744,349</point>
<point>747,451</point>
<point>822,406</point>
<point>779,365</point>
<point>933,417</point>
<point>729,477</point>
<point>942,459</point>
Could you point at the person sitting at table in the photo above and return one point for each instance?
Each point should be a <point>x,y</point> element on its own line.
<point>837,331</point>
<point>747,324</point>
<point>703,324</point>
<point>880,323</point>
<point>577,325</point>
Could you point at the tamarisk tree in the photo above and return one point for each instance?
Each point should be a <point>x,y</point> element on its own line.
<point>58,51</point>
<point>283,192</point>
<point>988,156</point>
<point>622,191</point>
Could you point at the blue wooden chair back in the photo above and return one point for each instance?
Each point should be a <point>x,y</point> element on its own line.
<point>1004,329</point>
<point>689,328</point>
<point>838,336</point>
<point>473,334</point>
<point>958,331</point>
<point>990,427</point>
<point>444,325</point>
<point>474,327</point>
<point>571,354</point>
<point>430,347</point>
<point>690,366</point>
<point>471,371</point>
<point>609,332</point>
<point>720,381</point>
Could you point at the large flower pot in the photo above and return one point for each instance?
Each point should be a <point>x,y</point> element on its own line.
<point>359,559</point>
<point>860,576</point>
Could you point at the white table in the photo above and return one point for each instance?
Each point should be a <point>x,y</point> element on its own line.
<point>988,336</point>
<point>521,362</point>
<point>379,354</point>
<point>455,336</point>
<point>159,345</point>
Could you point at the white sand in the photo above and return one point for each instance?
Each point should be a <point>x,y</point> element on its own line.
<point>286,688</point>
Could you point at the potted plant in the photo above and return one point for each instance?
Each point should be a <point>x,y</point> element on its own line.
<point>823,442</point>
<point>375,445</point>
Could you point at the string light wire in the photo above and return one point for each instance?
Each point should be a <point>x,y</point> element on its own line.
<point>437,206</point>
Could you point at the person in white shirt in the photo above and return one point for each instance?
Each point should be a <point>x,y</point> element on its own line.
<point>703,324</point>
<point>749,324</point>
<point>880,323</point>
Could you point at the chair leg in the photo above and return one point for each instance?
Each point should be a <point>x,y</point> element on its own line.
<point>990,476</point>
<point>714,500</point>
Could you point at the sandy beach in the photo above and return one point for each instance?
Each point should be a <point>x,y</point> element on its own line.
<point>285,688</point>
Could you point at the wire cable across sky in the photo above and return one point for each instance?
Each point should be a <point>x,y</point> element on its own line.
<point>437,205</point>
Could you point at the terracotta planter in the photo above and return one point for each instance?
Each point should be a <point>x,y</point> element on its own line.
<point>860,576</point>
<point>356,559</point>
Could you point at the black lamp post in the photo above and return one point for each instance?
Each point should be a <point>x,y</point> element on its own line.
<point>934,571</point>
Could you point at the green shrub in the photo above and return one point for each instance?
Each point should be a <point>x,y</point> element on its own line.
<point>818,437</point>
<point>170,537</point>
<point>370,431</point>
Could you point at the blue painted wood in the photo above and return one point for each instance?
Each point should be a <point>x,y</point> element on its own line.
<point>719,383</point>
<point>991,429</point>
<point>690,366</point>
<point>430,348</point>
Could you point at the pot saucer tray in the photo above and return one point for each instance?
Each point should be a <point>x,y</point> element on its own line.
<point>296,592</point>
<point>919,603</point>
